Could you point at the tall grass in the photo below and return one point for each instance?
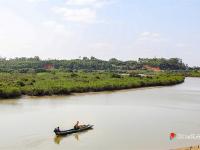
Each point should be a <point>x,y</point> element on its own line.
<point>63,83</point>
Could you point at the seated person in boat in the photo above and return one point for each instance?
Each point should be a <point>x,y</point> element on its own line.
<point>57,129</point>
<point>77,126</point>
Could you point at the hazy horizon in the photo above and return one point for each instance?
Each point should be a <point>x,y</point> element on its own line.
<point>126,30</point>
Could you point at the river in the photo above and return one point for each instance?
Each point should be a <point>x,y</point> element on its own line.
<point>136,119</point>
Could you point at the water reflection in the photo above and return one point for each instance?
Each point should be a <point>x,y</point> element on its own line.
<point>58,139</point>
<point>76,137</point>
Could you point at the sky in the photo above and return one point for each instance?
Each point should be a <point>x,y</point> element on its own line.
<point>124,29</point>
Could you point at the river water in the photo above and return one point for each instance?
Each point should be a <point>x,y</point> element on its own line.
<point>137,119</point>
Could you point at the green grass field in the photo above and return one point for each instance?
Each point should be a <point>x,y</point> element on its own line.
<point>14,85</point>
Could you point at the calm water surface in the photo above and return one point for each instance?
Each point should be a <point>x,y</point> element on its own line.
<point>138,119</point>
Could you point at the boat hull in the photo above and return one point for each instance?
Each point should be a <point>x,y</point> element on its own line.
<point>71,131</point>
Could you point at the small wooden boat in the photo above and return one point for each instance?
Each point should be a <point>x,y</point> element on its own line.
<point>66,132</point>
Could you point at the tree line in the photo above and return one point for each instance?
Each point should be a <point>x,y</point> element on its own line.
<point>35,64</point>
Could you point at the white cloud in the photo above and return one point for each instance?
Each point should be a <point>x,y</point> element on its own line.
<point>16,32</point>
<point>150,44</point>
<point>36,1</point>
<point>85,15</point>
<point>180,45</point>
<point>56,27</point>
<point>81,2</point>
<point>19,37</point>
<point>81,11</point>
<point>149,36</point>
<point>101,46</point>
<point>94,3</point>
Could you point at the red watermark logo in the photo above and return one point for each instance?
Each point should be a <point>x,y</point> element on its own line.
<point>172,136</point>
<point>179,136</point>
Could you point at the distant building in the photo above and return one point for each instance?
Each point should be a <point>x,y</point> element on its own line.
<point>146,75</point>
<point>124,74</point>
<point>156,69</point>
<point>48,66</point>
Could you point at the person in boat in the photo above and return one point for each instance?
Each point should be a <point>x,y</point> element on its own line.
<point>57,129</point>
<point>77,126</point>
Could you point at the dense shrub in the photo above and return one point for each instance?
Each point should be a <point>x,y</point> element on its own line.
<point>9,92</point>
<point>20,83</point>
<point>114,75</point>
<point>74,75</point>
<point>61,83</point>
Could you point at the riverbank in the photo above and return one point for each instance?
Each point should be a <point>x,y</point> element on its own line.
<point>190,148</point>
<point>192,74</point>
<point>13,85</point>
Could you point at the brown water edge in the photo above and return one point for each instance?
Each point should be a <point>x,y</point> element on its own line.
<point>197,147</point>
